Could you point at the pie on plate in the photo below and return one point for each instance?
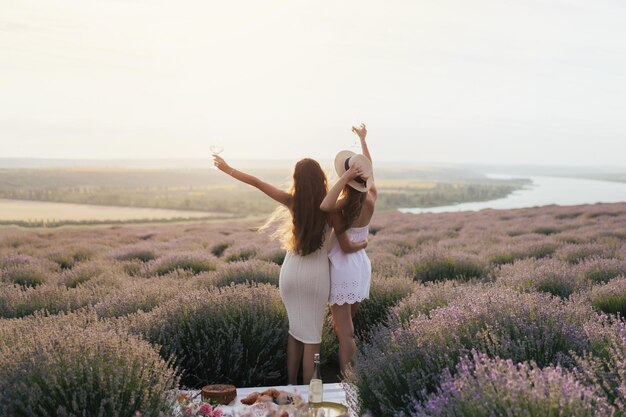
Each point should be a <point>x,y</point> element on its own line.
<point>219,393</point>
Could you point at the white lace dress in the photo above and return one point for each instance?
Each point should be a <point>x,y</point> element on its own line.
<point>350,273</point>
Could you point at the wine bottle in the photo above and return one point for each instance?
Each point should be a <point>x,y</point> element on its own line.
<point>316,387</point>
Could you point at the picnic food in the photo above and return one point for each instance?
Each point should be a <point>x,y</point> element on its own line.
<point>220,393</point>
<point>272,395</point>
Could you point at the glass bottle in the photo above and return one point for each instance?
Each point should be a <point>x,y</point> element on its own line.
<point>316,386</point>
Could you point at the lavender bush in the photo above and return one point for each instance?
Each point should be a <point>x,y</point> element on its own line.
<point>610,298</point>
<point>69,257</point>
<point>60,368</point>
<point>239,254</point>
<point>546,230</point>
<point>24,275</point>
<point>83,272</point>
<point>405,362</point>
<point>235,334</point>
<point>143,253</point>
<point>496,387</point>
<point>385,293</point>
<point>605,367</point>
<point>568,215</point>
<point>276,256</point>
<point>513,251</point>
<point>218,249</point>
<point>252,271</point>
<point>428,297</point>
<point>17,259</point>
<point>193,263</point>
<point>19,302</point>
<point>140,295</point>
<point>577,253</point>
<point>600,270</point>
<point>135,268</point>
<point>551,276</point>
<point>437,264</point>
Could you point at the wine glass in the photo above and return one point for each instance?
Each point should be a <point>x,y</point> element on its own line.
<point>355,143</point>
<point>216,147</point>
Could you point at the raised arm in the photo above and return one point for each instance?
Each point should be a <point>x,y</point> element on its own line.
<point>345,243</point>
<point>361,132</point>
<point>277,194</point>
<point>329,204</point>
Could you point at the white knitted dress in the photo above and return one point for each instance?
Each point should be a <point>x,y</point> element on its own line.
<point>304,285</point>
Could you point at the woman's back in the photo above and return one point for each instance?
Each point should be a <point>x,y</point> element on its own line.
<point>365,216</point>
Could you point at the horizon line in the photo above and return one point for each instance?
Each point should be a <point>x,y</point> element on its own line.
<point>382,160</point>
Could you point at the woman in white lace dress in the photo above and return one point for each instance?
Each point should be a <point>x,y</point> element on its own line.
<point>350,203</point>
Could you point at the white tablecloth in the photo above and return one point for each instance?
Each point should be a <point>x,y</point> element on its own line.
<point>332,392</point>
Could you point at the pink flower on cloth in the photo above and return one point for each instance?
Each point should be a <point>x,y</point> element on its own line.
<point>217,413</point>
<point>206,410</point>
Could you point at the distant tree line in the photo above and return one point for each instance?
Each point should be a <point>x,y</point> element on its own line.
<point>201,192</point>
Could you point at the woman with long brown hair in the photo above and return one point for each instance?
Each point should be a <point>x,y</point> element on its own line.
<point>350,203</point>
<point>304,275</point>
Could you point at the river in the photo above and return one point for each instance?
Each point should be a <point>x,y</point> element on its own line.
<point>543,191</point>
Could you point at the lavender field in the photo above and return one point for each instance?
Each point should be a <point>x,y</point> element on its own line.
<point>497,312</point>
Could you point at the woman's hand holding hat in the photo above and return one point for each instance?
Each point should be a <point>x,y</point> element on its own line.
<point>353,172</point>
<point>345,160</point>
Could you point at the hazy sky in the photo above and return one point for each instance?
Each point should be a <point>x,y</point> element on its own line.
<point>509,81</point>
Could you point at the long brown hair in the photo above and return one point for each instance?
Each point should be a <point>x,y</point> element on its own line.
<point>352,208</point>
<point>302,228</point>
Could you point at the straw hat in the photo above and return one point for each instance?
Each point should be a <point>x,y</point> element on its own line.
<point>346,159</point>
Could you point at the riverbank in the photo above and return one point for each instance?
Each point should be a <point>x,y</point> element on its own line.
<point>542,191</point>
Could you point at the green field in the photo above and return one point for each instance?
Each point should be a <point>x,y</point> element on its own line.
<point>214,192</point>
